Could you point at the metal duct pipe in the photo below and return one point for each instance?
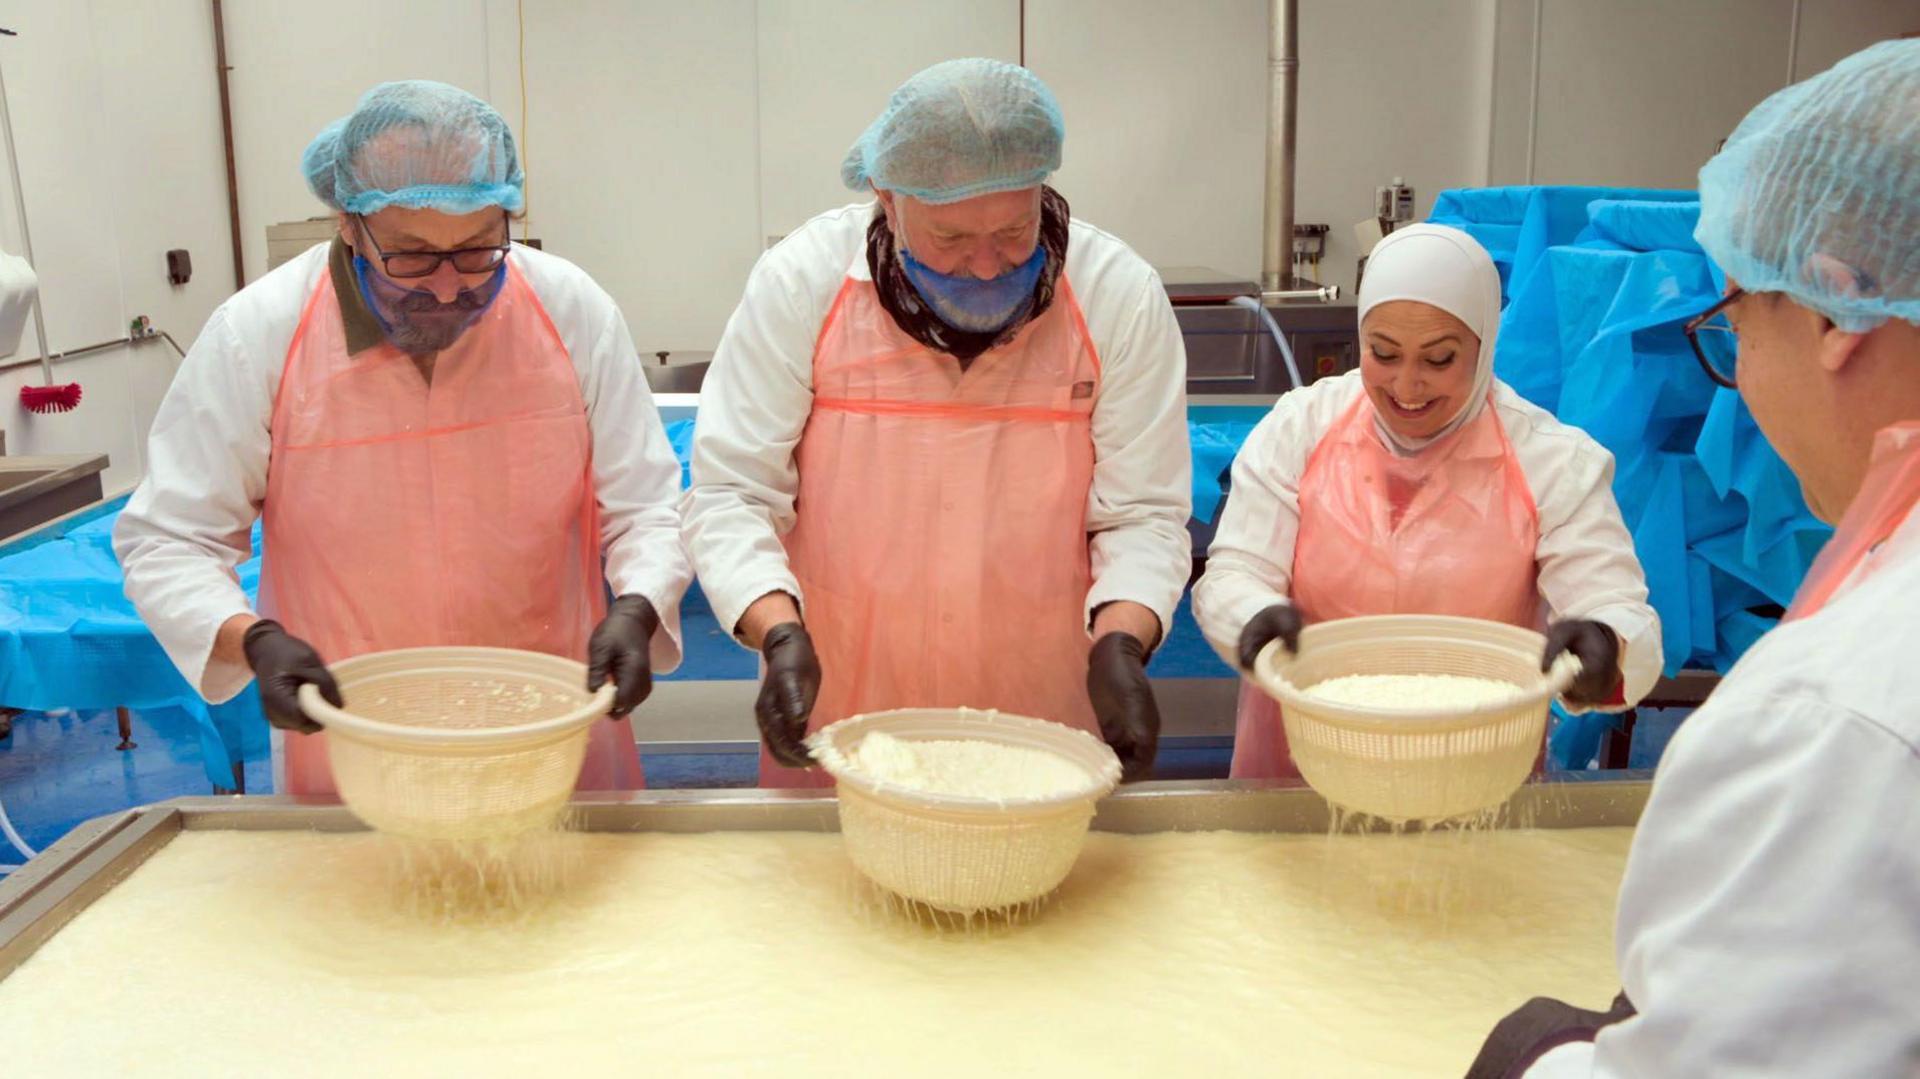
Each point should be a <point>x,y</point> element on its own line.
<point>220,69</point>
<point>1283,75</point>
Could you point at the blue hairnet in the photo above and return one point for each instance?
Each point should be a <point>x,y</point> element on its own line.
<point>1817,194</point>
<point>960,129</point>
<point>416,144</point>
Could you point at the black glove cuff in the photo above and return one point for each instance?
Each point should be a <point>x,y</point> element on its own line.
<point>636,606</point>
<point>265,627</point>
<point>1128,645</point>
<point>783,634</point>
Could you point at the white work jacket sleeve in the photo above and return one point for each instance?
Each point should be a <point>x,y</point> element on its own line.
<point>1142,491</point>
<point>1587,565</point>
<point>186,528</point>
<point>637,480</point>
<point>1250,565</point>
<point>754,404</point>
<point>1767,923</point>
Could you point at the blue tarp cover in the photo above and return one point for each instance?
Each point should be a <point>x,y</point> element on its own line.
<point>1598,284</point>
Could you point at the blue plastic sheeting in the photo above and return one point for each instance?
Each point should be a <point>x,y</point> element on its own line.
<point>1517,224</point>
<point>1185,653</point>
<point>1599,282</point>
<point>1214,447</point>
<point>711,652</point>
<point>680,437</point>
<point>70,639</point>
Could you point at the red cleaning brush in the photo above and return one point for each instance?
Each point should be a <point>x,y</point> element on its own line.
<point>45,399</point>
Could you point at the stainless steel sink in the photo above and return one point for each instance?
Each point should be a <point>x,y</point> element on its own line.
<point>35,490</point>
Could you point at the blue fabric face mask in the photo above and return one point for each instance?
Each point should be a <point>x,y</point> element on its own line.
<point>974,304</point>
<point>415,320</point>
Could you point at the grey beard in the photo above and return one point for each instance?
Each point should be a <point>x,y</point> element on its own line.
<point>417,340</point>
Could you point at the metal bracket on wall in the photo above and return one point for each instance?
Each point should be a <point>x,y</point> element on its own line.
<point>143,331</point>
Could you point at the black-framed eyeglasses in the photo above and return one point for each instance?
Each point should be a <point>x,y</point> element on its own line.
<point>423,263</point>
<point>1713,340</point>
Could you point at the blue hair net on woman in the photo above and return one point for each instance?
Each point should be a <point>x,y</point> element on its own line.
<point>1817,194</point>
<point>417,144</point>
<point>960,129</point>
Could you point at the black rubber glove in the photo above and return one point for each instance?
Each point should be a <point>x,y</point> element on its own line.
<point>1123,702</point>
<point>618,650</point>
<point>1280,621</point>
<point>282,663</point>
<point>1536,1027</point>
<point>1598,651</point>
<point>787,693</point>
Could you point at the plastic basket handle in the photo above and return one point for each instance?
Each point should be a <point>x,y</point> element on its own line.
<point>1266,665</point>
<point>311,702</point>
<point>1566,667</point>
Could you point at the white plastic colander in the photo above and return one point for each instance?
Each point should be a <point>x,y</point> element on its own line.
<point>956,853</point>
<point>1414,763</point>
<point>458,743</point>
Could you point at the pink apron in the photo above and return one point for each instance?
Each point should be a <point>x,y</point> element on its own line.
<point>1887,497</point>
<point>401,514</point>
<point>1449,530</point>
<point>941,544</point>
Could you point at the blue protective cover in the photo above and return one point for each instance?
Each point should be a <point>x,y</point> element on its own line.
<point>1817,193</point>
<point>680,437</point>
<point>960,129</point>
<point>1214,446</point>
<point>418,144</point>
<point>69,637</point>
<point>1598,284</point>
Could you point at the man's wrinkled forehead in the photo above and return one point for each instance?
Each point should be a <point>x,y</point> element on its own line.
<point>1002,211</point>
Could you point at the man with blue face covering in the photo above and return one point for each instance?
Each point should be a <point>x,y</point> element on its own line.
<point>942,454</point>
<point>444,434</point>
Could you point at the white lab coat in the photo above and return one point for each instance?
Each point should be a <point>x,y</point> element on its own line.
<point>759,392</point>
<point>1587,566</point>
<point>186,527</point>
<point>1769,923</point>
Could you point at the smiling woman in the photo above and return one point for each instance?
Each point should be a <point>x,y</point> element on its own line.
<point>1429,318</point>
<point>1419,363</point>
<point>1420,484</point>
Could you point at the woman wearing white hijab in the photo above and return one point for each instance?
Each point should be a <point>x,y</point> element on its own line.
<point>1420,484</point>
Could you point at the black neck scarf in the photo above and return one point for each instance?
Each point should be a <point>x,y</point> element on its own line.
<point>918,321</point>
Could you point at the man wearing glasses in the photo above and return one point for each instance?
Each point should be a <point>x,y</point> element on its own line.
<point>443,434</point>
<point>1769,922</point>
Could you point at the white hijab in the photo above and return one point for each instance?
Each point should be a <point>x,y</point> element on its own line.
<point>1448,269</point>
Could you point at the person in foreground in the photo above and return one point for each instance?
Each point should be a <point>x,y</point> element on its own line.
<point>1421,484</point>
<point>442,432</point>
<point>1769,922</point>
<point>942,458</point>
